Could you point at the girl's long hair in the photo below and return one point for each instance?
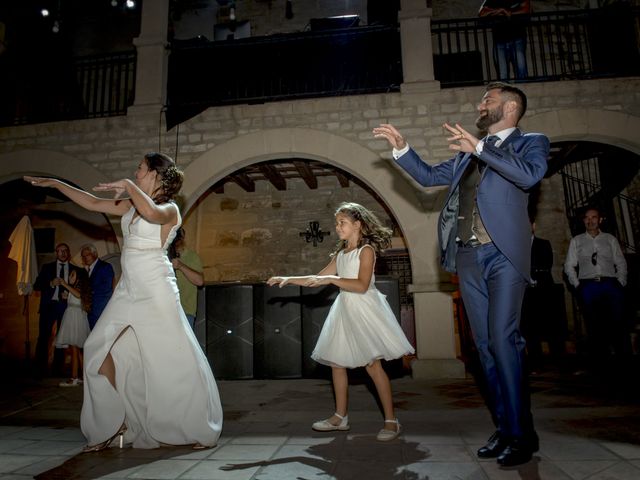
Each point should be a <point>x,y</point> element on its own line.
<point>171,177</point>
<point>372,230</point>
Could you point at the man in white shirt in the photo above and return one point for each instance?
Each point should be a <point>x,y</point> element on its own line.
<point>596,268</point>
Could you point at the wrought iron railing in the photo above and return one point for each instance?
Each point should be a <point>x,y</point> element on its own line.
<point>288,66</point>
<point>559,45</point>
<point>87,87</point>
<point>583,187</point>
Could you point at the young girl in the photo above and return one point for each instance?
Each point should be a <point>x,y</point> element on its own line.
<point>74,327</point>
<point>361,328</point>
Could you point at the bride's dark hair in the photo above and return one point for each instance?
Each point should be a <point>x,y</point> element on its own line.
<point>170,176</point>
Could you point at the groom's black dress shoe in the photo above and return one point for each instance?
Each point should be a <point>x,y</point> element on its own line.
<point>494,447</point>
<point>517,452</point>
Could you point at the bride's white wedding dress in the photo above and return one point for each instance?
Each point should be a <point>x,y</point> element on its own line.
<point>165,391</point>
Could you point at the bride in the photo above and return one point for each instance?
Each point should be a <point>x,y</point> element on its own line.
<point>147,380</point>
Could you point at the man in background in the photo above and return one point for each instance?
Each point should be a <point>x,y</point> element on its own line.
<point>597,269</point>
<point>509,30</point>
<point>101,280</point>
<point>53,302</point>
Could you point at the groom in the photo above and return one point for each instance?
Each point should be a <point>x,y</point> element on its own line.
<point>485,237</point>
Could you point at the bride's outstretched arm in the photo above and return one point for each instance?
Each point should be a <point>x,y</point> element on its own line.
<point>86,200</point>
<point>161,214</point>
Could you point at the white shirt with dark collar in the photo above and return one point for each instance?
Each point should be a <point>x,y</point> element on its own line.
<point>605,251</point>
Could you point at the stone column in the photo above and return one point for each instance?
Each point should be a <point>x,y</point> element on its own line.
<point>417,51</point>
<point>433,306</point>
<point>151,69</point>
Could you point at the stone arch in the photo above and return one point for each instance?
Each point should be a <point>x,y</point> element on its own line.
<point>604,126</point>
<point>433,308</point>
<point>14,165</point>
<point>378,174</point>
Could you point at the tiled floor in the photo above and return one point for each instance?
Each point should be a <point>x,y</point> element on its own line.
<point>589,429</point>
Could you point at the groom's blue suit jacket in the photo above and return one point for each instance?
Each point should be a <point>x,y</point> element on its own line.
<point>518,164</point>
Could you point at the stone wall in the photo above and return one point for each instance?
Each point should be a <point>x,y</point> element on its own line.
<point>606,111</point>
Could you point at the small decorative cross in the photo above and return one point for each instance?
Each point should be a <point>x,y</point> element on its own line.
<point>314,234</point>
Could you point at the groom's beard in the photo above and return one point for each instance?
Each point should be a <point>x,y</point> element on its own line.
<point>483,122</point>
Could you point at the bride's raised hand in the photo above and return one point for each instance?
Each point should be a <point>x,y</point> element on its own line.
<point>119,187</point>
<point>40,181</point>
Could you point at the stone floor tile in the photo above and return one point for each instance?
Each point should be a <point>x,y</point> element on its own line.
<point>6,430</point>
<point>584,468</point>
<point>624,450</point>
<point>219,470</point>
<point>302,470</point>
<point>163,469</point>
<point>312,440</point>
<point>47,463</point>
<point>36,433</point>
<point>444,453</point>
<point>8,445</point>
<point>443,471</point>
<point>249,439</point>
<point>10,463</point>
<point>48,447</point>
<point>244,452</point>
<point>575,450</point>
<point>619,471</point>
<point>296,451</point>
<point>536,469</point>
<point>451,439</point>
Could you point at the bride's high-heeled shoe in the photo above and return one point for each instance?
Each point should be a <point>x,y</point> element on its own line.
<point>104,445</point>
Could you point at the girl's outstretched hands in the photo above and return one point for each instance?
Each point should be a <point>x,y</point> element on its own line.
<point>280,281</point>
<point>318,280</point>
<point>40,181</point>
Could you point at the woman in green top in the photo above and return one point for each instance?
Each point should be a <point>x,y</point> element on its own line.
<point>188,268</point>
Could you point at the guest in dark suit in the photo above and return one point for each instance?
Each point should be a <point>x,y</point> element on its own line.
<point>53,302</point>
<point>101,280</point>
<point>541,309</point>
<point>485,236</point>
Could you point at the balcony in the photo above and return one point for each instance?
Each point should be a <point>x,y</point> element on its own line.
<point>582,44</point>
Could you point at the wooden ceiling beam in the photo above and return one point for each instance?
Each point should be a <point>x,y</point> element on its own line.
<point>244,182</point>
<point>343,179</point>
<point>272,174</point>
<point>304,169</point>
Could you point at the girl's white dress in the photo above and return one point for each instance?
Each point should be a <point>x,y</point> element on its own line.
<point>165,391</point>
<point>74,327</point>
<point>360,327</point>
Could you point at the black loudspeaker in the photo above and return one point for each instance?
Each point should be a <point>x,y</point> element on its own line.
<point>277,332</point>
<point>316,303</point>
<point>229,317</point>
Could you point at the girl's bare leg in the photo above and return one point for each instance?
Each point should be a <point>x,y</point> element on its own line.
<point>74,361</point>
<point>383,386</point>
<point>341,390</point>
